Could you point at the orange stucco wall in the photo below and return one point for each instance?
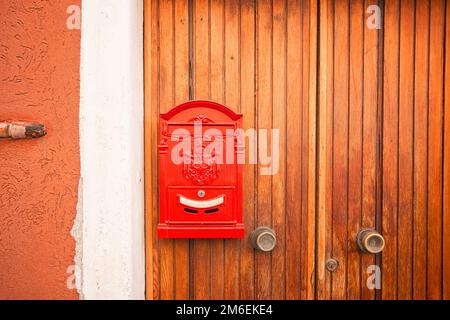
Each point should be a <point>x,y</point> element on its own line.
<point>39,81</point>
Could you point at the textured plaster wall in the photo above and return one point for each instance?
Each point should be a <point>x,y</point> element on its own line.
<point>39,80</point>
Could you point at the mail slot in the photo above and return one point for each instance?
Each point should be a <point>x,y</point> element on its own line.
<point>201,153</point>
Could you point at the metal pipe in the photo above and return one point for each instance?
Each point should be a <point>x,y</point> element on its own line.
<point>21,130</point>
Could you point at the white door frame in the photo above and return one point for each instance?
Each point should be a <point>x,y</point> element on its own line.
<point>109,228</point>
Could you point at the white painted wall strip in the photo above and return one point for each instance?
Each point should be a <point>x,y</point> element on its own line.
<point>111,212</point>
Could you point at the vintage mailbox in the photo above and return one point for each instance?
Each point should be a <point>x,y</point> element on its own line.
<point>201,154</point>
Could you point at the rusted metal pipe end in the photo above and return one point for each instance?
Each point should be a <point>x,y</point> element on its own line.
<point>35,130</point>
<point>21,130</point>
<point>370,241</point>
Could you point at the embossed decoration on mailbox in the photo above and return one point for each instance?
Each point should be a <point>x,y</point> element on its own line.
<point>200,172</point>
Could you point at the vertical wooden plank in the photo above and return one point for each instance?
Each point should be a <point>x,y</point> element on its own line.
<point>370,143</point>
<point>406,113</point>
<point>150,110</point>
<point>446,176</point>
<point>264,121</point>
<point>166,101</point>
<point>166,56</point>
<point>217,34</point>
<point>379,162</point>
<point>420,150</point>
<point>309,224</point>
<point>325,148</point>
<point>232,100</point>
<point>247,89</point>
<point>294,155</point>
<point>390,149</point>
<point>154,154</point>
<point>355,147</point>
<point>435,111</point>
<point>340,147</point>
<point>279,122</point>
<point>181,78</point>
<point>217,25</point>
<point>329,149</point>
<point>201,247</point>
<point>232,76</point>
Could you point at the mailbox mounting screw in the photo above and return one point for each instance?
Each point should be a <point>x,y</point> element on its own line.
<point>332,265</point>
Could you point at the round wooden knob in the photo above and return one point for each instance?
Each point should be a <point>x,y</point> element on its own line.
<point>370,241</point>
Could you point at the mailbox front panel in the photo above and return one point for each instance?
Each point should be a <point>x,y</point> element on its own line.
<point>200,179</point>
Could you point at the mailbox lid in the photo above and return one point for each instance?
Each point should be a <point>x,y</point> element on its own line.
<point>201,109</point>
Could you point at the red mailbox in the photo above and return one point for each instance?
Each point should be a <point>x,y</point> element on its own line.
<point>200,172</point>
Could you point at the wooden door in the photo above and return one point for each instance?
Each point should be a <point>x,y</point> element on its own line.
<point>349,182</point>
<point>364,123</point>
<point>384,132</point>
<point>258,58</point>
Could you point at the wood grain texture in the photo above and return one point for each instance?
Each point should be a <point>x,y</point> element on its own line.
<point>148,145</point>
<point>340,148</point>
<point>310,72</point>
<point>406,151</point>
<point>371,141</point>
<point>232,100</point>
<point>446,158</point>
<point>201,254</point>
<point>279,115</point>
<point>390,149</point>
<point>247,55</point>
<point>152,200</point>
<point>258,58</point>
<point>355,145</point>
<point>264,24</point>
<point>294,157</point>
<point>435,134</point>
<point>166,100</point>
<point>420,149</point>
<point>181,87</point>
<point>325,148</point>
<point>349,139</point>
<point>217,53</point>
<point>248,103</point>
<point>364,143</point>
